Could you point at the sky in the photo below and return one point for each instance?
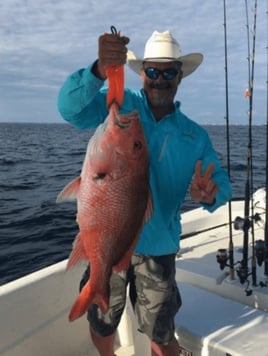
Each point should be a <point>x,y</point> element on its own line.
<point>43,42</point>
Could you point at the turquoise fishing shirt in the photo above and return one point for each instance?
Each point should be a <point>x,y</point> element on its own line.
<point>175,144</point>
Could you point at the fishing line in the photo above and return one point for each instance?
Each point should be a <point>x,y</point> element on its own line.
<point>231,245</point>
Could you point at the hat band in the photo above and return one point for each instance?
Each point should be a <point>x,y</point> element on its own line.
<point>160,58</point>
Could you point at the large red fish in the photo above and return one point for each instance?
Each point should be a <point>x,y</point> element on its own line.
<point>113,203</point>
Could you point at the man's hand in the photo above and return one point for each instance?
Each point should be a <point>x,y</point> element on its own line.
<point>112,51</point>
<point>203,188</point>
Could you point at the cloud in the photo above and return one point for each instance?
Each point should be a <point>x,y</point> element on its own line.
<point>41,43</point>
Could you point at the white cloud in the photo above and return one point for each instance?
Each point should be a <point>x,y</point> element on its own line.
<point>42,42</point>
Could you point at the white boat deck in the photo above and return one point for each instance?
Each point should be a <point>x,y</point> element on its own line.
<point>197,263</point>
<point>216,318</point>
<point>34,317</point>
<point>211,325</point>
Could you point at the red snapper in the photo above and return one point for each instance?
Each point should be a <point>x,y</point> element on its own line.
<point>113,203</point>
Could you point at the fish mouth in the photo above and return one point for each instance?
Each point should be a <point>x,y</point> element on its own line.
<point>123,121</point>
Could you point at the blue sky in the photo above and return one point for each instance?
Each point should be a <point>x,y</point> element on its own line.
<point>42,42</point>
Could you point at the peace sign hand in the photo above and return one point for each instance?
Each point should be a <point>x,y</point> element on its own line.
<point>203,188</point>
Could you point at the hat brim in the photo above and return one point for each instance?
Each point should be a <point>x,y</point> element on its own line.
<point>189,62</point>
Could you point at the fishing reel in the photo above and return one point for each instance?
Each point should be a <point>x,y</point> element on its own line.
<point>246,223</point>
<point>260,251</point>
<point>222,258</point>
<point>242,273</point>
<point>243,278</point>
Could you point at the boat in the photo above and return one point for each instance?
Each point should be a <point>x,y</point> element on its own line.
<point>219,315</point>
<point>221,272</point>
<point>225,314</point>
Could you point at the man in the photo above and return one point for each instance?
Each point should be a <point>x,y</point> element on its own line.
<point>181,156</point>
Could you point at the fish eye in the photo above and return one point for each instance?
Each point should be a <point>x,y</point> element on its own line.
<point>137,145</point>
<point>99,177</point>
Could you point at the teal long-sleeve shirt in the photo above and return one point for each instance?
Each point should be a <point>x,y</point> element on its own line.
<point>175,144</point>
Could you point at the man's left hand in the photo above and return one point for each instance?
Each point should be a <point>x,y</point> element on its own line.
<point>203,188</point>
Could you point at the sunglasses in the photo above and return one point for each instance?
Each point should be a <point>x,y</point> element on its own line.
<point>154,73</point>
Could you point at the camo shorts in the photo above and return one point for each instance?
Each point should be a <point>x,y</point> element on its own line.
<point>153,293</point>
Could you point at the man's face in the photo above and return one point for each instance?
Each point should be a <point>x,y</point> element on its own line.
<point>160,82</point>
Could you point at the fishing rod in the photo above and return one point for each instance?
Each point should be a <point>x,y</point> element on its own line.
<point>242,271</point>
<point>266,183</point>
<point>238,224</point>
<point>262,245</point>
<point>231,245</point>
<point>253,259</point>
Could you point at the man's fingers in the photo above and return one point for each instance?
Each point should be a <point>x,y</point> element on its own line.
<point>209,170</point>
<point>198,170</point>
<point>198,167</point>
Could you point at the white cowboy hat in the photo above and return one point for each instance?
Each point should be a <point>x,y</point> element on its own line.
<point>162,47</point>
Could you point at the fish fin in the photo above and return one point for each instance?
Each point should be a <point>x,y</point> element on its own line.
<point>86,298</point>
<point>70,191</point>
<point>77,253</point>
<point>115,76</point>
<point>149,210</point>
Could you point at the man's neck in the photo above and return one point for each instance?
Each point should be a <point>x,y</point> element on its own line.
<point>161,111</point>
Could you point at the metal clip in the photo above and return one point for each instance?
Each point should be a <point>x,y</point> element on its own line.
<point>114,30</point>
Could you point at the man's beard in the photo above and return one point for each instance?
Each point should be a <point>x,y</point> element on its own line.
<point>159,95</point>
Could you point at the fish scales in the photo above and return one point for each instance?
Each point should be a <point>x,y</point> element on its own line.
<point>113,203</point>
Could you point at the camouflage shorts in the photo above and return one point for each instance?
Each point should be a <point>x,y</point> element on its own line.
<point>153,293</point>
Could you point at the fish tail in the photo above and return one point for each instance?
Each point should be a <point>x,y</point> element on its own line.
<point>115,76</point>
<point>85,299</point>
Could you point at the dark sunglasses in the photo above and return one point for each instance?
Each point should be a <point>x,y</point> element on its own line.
<point>154,73</point>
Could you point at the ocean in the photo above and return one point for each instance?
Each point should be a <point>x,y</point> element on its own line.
<point>37,160</point>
